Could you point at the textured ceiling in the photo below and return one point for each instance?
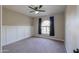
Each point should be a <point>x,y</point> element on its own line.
<point>50,9</point>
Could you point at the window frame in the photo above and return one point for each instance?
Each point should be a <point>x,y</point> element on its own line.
<point>44,26</point>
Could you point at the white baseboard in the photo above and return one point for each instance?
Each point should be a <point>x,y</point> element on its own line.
<point>18,40</point>
<point>51,38</point>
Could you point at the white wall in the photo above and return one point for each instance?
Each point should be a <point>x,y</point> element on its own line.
<point>77,26</point>
<point>58,24</point>
<point>12,34</point>
<point>72,28</point>
<point>0,28</point>
<point>15,27</point>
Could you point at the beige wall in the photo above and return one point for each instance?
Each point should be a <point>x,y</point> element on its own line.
<point>15,26</point>
<point>14,18</point>
<point>72,28</point>
<point>58,24</point>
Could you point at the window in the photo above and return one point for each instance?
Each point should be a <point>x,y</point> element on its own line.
<point>45,27</point>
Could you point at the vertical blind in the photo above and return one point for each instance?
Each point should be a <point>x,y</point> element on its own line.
<point>52,26</point>
<point>39,26</point>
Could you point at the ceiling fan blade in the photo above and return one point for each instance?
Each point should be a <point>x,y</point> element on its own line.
<point>40,6</point>
<point>36,8</point>
<point>41,10</point>
<point>31,7</point>
<point>32,11</point>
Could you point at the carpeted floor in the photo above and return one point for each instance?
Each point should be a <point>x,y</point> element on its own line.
<point>35,45</point>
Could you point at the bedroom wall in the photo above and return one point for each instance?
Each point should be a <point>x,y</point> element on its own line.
<point>72,28</point>
<point>78,26</point>
<point>15,27</point>
<point>0,28</point>
<point>58,24</point>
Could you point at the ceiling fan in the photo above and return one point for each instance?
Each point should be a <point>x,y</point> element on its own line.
<point>36,8</point>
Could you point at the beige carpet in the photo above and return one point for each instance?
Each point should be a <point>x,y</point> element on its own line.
<point>35,45</point>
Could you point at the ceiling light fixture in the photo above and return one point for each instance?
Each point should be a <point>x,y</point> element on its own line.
<point>36,12</point>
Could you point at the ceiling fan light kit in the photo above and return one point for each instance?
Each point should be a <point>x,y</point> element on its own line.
<point>36,12</point>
